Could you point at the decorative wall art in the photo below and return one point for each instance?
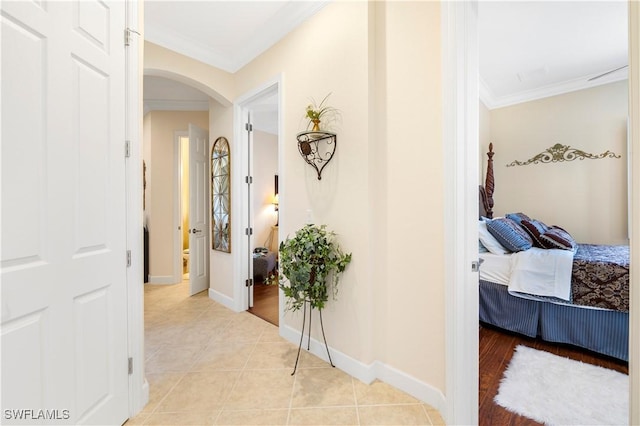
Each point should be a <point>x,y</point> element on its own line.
<point>559,153</point>
<point>318,145</point>
<point>221,195</point>
<point>317,148</point>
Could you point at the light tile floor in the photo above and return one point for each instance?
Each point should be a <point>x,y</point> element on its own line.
<point>207,365</point>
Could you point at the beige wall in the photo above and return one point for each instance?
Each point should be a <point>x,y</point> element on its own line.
<point>410,296</point>
<point>484,134</point>
<point>381,193</point>
<point>212,81</point>
<point>315,61</point>
<point>160,128</point>
<point>221,263</point>
<point>586,197</point>
<point>363,195</point>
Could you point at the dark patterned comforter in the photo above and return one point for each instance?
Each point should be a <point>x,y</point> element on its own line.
<point>600,277</point>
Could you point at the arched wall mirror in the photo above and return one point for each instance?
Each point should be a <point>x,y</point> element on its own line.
<point>221,195</point>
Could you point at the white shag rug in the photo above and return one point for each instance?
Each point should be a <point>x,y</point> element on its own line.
<point>560,391</point>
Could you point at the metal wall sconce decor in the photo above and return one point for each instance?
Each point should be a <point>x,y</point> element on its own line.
<point>317,148</point>
<point>559,153</point>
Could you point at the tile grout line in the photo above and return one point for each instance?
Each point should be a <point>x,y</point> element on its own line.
<point>355,399</point>
<point>293,388</point>
<point>427,414</point>
<point>242,371</point>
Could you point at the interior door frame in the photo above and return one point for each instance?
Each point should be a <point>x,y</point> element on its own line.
<point>460,101</point>
<point>240,171</point>
<point>177,203</point>
<point>634,211</point>
<point>461,147</point>
<point>138,384</point>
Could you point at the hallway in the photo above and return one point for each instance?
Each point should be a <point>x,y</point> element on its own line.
<point>207,365</point>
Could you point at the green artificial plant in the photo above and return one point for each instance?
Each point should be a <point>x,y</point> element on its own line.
<point>320,112</point>
<point>310,263</point>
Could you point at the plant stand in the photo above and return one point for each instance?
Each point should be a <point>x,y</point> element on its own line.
<point>304,315</point>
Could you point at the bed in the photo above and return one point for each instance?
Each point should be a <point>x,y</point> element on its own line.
<point>264,263</point>
<point>593,313</point>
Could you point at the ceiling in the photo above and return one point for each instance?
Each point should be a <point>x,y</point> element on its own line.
<point>533,49</point>
<point>528,49</point>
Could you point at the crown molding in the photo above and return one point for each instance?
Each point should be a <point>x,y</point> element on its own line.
<point>177,42</point>
<point>486,95</point>
<point>289,17</point>
<point>492,102</point>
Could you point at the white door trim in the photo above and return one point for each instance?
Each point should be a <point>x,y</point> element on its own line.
<point>138,385</point>
<point>634,212</point>
<point>460,143</point>
<point>239,171</point>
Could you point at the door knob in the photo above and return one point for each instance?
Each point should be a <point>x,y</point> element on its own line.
<point>194,230</point>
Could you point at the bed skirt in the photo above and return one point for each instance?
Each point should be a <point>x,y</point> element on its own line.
<point>598,330</point>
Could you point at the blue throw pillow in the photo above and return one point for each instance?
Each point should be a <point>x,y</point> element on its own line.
<point>510,234</point>
<point>517,217</point>
<point>488,240</point>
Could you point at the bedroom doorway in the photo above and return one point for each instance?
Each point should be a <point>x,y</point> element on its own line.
<point>261,195</point>
<point>490,335</point>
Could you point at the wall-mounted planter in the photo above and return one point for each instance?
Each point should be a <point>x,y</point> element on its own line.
<point>317,148</point>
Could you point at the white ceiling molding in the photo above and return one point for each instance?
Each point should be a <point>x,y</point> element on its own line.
<point>486,95</point>
<point>233,56</point>
<point>493,102</point>
<point>193,48</point>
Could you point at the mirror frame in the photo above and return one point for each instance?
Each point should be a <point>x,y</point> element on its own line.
<point>221,195</point>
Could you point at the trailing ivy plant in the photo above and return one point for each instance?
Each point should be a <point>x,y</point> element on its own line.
<point>310,263</point>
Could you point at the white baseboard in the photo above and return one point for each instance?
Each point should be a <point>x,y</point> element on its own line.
<point>161,279</point>
<point>145,392</point>
<point>223,299</point>
<point>376,370</point>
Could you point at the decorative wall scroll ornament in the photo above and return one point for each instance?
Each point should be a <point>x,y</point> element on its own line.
<point>317,148</point>
<point>559,153</point>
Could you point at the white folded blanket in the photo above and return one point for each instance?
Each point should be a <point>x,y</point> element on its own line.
<point>542,272</point>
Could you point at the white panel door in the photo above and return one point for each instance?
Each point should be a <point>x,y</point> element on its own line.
<point>63,262</point>
<point>199,182</point>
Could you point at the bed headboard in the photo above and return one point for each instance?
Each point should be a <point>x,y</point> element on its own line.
<point>486,191</point>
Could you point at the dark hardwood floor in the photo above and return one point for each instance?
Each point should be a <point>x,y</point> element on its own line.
<point>265,302</point>
<point>496,350</point>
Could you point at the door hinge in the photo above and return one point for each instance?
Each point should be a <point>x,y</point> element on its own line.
<point>248,179</point>
<point>127,149</point>
<point>128,258</point>
<point>249,282</point>
<point>248,127</point>
<point>130,366</point>
<point>127,36</point>
<point>248,231</point>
